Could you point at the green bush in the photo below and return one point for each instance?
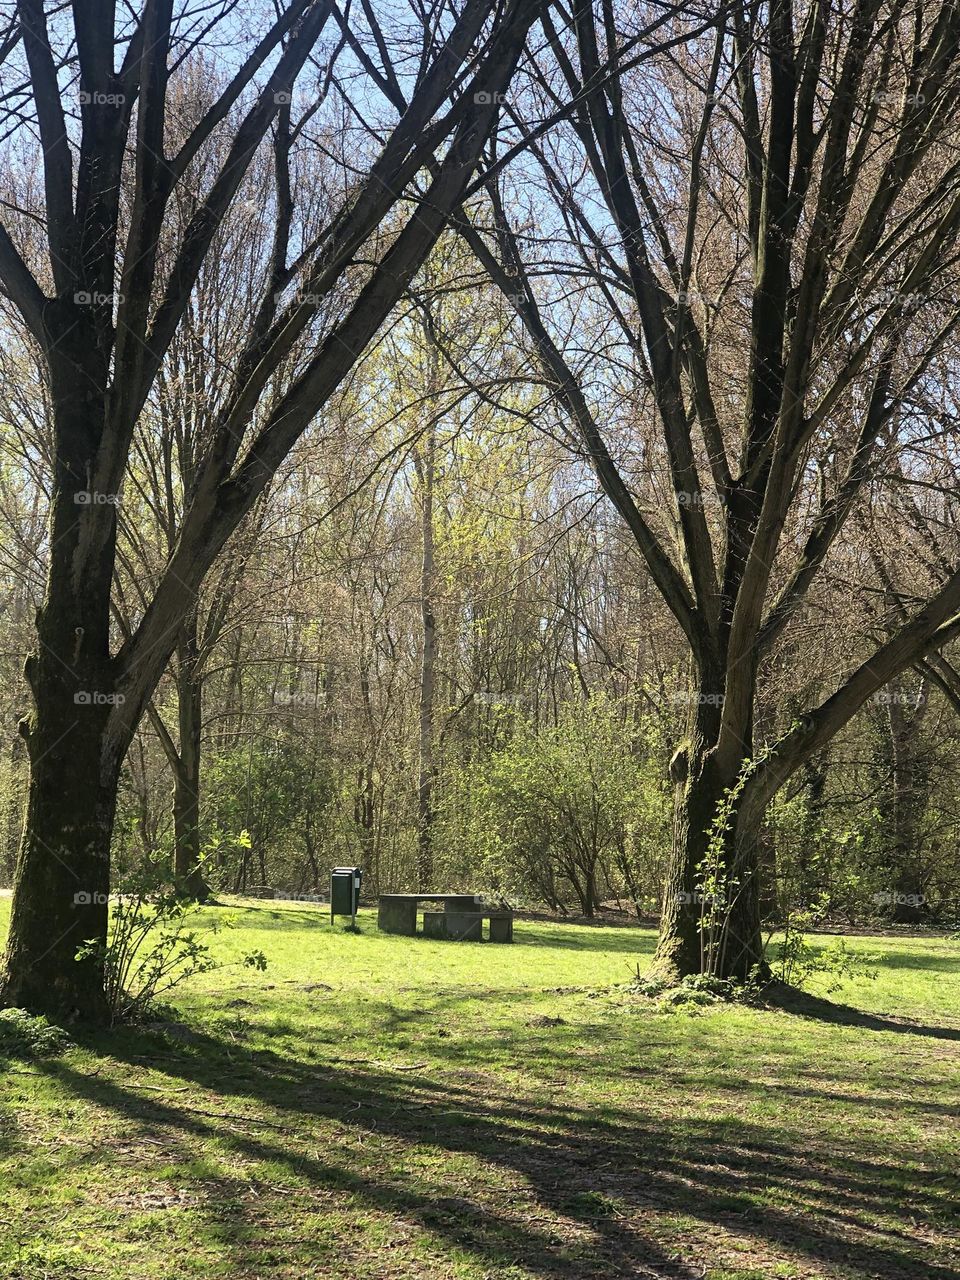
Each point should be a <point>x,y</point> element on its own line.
<point>27,1035</point>
<point>567,815</point>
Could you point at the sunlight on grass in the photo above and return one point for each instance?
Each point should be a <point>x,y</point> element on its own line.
<point>375,1106</point>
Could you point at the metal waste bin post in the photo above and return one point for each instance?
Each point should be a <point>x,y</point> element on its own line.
<point>345,892</point>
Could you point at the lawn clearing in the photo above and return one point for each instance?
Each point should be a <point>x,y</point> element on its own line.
<point>379,1106</point>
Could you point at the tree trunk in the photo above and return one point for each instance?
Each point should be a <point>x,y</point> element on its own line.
<point>909,791</point>
<point>77,733</point>
<point>702,792</point>
<point>427,674</point>
<point>591,896</point>
<point>187,874</point>
<point>62,882</point>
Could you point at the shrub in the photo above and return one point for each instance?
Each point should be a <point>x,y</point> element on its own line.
<point>26,1035</point>
<point>150,948</point>
<point>567,813</point>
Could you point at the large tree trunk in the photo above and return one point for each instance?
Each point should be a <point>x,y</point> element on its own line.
<point>63,871</point>
<point>77,733</point>
<point>187,873</point>
<point>703,791</point>
<point>699,934</point>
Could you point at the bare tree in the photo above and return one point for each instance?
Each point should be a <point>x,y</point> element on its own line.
<point>752,247</point>
<point>81,264</point>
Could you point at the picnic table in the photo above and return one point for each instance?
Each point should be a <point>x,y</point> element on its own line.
<point>460,920</point>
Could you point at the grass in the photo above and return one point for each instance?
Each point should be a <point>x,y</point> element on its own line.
<point>384,1107</point>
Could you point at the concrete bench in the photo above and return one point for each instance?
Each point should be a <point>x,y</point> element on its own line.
<point>260,891</point>
<point>397,912</point>
<point>467,926</point>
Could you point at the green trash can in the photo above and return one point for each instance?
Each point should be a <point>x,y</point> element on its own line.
<point>345,892</point>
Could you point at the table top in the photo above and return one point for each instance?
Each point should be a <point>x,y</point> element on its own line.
<point>430,897</point>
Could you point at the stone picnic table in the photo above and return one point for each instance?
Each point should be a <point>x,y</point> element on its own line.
<point>461,919</point>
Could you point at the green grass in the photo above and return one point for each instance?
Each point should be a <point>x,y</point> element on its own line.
<point>387,1107</point>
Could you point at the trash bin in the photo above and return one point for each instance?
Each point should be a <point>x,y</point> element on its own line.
<point>345,892</point>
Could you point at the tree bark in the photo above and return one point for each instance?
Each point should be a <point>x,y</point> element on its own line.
<point>62,885</point>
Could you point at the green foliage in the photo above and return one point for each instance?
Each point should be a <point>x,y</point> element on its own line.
<point>566,814</point>
<point>25,1035</point>
<point>260,796</point>
<point>821,853</point>
<point>797,962</point>
<point>718,881</point>
<point>698,990</point>
<point>151,947</point>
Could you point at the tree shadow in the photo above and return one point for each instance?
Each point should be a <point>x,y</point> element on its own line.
<point>923,960</point>
<point>594,1175</point>
<point>820,1009</point>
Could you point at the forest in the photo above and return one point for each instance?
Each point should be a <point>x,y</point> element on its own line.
<point>509,448</point>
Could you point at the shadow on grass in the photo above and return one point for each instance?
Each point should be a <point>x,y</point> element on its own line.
<point>929,961</point>
<point>819,1009</point>
<point>581,1183</point>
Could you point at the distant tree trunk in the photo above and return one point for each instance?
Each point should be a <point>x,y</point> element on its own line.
<point>815,777</point>
<point>591,896</point>
<point>364,815</point>
<point>427,670</point>
<point>909,786</point>
<point>187,873</point>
